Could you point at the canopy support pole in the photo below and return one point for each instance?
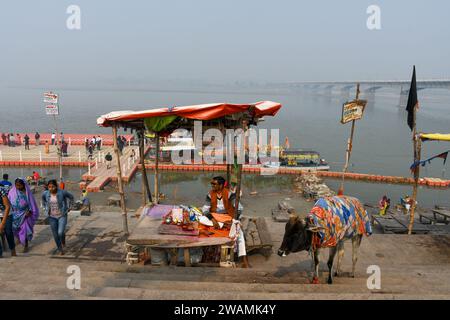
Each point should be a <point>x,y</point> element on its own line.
<point>156,200</point>
<point>228,173</point>
<point>239,176</point>
<point>120,183</point>
<point>145,186</point>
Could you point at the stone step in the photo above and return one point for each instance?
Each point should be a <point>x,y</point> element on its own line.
<point>55,285</point>
<point>135,293</point>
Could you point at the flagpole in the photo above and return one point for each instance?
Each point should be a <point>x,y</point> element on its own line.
<point>417,150</point>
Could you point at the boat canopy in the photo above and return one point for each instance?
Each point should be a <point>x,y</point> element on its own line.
<point>435,136</point>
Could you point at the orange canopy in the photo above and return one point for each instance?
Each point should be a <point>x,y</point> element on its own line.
<point>196,112</point>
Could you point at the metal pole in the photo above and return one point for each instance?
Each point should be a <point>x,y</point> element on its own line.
<point>58,147</point>
<point>120,183</point>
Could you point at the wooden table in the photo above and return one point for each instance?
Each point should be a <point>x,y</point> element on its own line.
<point>145,234</point>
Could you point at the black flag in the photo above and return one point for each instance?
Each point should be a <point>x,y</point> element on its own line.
<point>412,100</point>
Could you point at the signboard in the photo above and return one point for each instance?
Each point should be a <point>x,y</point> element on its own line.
<point>353,110</point>
<point>51,110</point>
<point>50,97</point>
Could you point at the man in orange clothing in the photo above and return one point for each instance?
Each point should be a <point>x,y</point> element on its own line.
<point>220,208</point>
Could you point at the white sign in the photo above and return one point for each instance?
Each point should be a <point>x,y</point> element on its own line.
<point>50,100</point>
<point>50,97</point>
<point>51,110</point>
<point>353,110</point>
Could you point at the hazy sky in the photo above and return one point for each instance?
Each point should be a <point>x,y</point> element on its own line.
<point>128,42</point>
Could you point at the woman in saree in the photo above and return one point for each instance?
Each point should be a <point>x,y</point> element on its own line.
<point>24,210</point>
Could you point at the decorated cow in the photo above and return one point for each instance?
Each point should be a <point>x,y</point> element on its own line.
<point>331,221</point>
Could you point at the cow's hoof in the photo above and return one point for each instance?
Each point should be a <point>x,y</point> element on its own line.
<point>315,280</point>
<point>336,274</point>
<point>330,281</point>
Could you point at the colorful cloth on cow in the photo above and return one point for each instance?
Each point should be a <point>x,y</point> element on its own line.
<point>338,218</point>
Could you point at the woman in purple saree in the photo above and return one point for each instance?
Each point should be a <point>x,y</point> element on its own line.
<point>24,211</point>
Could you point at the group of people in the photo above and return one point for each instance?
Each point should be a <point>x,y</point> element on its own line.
<point>92,144</point>
<point>12,140</point>
<point>405,203</point>
<point>19,213</point>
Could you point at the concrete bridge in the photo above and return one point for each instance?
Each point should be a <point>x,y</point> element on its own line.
<point>368,87</point>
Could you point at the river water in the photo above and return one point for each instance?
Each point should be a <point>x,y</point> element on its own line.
<point>310,118</point>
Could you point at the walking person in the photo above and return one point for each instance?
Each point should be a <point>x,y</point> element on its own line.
<point>56,205</point>
<point>99,143</point>
<point>37,139</point>
<point>133,155</point>
<point>61,137</point>
<point>108,159</point>
<point>5,143</point>
<point>26,140</point>
<point>53,138</point>
<point>64,147</point>
<point>5,182</point>
<point>25,212</point>
<point>18,140</point>
<point>91,151</point>
<point>120,144</point>
<point>6,222</point>
<point>46,147</point>
<point>12,140</point>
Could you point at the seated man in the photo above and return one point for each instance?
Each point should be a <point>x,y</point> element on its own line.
<point>219,208</point>
<point>86,204</point>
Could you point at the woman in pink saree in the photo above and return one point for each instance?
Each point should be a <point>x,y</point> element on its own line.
<point>24,211</point>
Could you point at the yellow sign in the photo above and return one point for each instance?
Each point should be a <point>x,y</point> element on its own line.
<point>353,110</point>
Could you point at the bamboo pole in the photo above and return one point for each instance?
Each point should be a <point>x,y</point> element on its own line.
<point>228,172</point>
<point>349,148</point>
<point>239,181</point>
<point>417,146</point>
<point>120,183</point>
<point>156,200</point>
<point>145,186</point>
